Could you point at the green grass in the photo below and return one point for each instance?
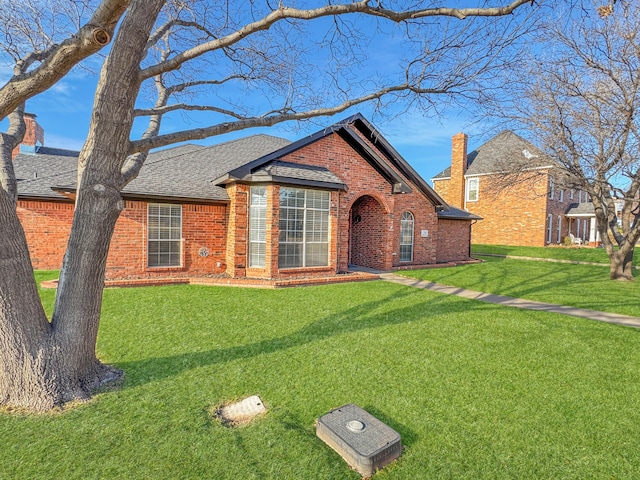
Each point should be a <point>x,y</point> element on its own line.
<point>476,390</point>
<point>584,286</point>
<point>585,254</point>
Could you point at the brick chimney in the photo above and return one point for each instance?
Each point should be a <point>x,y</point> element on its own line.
<point>458,169</point>
<point>33,136</point>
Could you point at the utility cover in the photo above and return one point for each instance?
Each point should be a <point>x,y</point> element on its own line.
<point>241,412</point>
<point>362,440</point>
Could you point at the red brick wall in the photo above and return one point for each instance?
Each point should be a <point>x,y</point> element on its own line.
<point>203,246</point>
<point>453,241</point>
<point>516,215</point>
<point>363,180</point>
<point>368,243</point>
<point>425,218</point>
<point>46,226</point>
<point>513,216</point>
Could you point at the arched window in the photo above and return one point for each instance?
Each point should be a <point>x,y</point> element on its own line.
<point>406,237</point>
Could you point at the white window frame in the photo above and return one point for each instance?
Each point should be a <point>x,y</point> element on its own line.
<point>407,230</point>
<point>561,195</point>
<point>163,234</point>
<point>549,227</point>
<point>307,236</point>
<point>257,226</point>
<point>572,193</point>
<point>559,237</point>
<point>551,187</point>
<point>473,189</point>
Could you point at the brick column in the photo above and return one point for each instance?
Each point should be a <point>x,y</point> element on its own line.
<point>34,134</point>
<point>458,169</point>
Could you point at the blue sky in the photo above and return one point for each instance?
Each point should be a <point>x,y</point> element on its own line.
<point>424,141</point>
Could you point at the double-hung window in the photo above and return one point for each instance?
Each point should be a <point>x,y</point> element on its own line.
<point>257,226</point>
<point>472,189</point>
<point>304,228</point>
<point>164,235</point>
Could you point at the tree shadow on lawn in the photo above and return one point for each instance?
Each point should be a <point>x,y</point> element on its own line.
<point>360,317</point>
<point>588,283</point>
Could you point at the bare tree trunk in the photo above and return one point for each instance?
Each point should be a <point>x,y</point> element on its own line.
<point>621,265</point>
<point>45,364</point>
<point>79,298</point>
<point>24,329</point>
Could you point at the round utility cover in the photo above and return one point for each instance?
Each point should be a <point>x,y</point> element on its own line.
<point>355,426</point>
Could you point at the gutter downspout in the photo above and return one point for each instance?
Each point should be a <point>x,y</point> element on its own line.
<point>471,224</point>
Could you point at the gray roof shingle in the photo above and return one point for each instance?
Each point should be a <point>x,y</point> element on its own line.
<point>187,171</point>
<point>453,213</point>
<point>38,172</point>
<point>580,209</point>
<point>278,169</point>
<point>505,152</point>
<point>183,172</point>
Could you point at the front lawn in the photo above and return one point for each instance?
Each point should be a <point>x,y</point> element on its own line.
<point>584,254</point>
<point>477,391</point>
<point>584,286</point>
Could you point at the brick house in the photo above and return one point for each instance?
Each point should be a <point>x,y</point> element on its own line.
<point>511,184</point>
<point>258,207</point>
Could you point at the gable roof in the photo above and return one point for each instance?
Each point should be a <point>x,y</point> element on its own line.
<point>185,172</point>
<point>381,160</point>
<point>505,152</point>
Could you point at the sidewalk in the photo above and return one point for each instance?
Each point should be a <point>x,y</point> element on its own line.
<point>513,302</point>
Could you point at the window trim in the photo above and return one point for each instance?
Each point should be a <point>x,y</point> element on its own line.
<point>559,237</point>
<point>551,187</point>
<point>305,223</point>
<point>254,210</point>
<point>405,221</point>
<point>475,189</point>
<point>549,227</point>
<point>179,241</point>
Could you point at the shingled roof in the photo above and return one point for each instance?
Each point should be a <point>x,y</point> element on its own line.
<point>584,209</point>
<point>195,172</point>
<point>505,152</point>
<point>182,172</point>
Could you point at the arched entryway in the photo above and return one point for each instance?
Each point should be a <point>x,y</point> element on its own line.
<point>367,233</point>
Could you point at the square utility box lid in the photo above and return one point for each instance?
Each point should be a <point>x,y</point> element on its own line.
<point>361,439</point>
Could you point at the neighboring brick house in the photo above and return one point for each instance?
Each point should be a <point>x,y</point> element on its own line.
<point>258,207</point>
<point>511,185</point>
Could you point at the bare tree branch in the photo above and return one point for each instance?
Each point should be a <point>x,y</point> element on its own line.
<point>61,58</point>
<point>287,13</point>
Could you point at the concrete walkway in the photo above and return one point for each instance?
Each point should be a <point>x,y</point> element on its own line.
<point>513,302</point>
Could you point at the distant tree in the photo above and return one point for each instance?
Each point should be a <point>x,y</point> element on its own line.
<point>240,64</point>
<point>577,95</point>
